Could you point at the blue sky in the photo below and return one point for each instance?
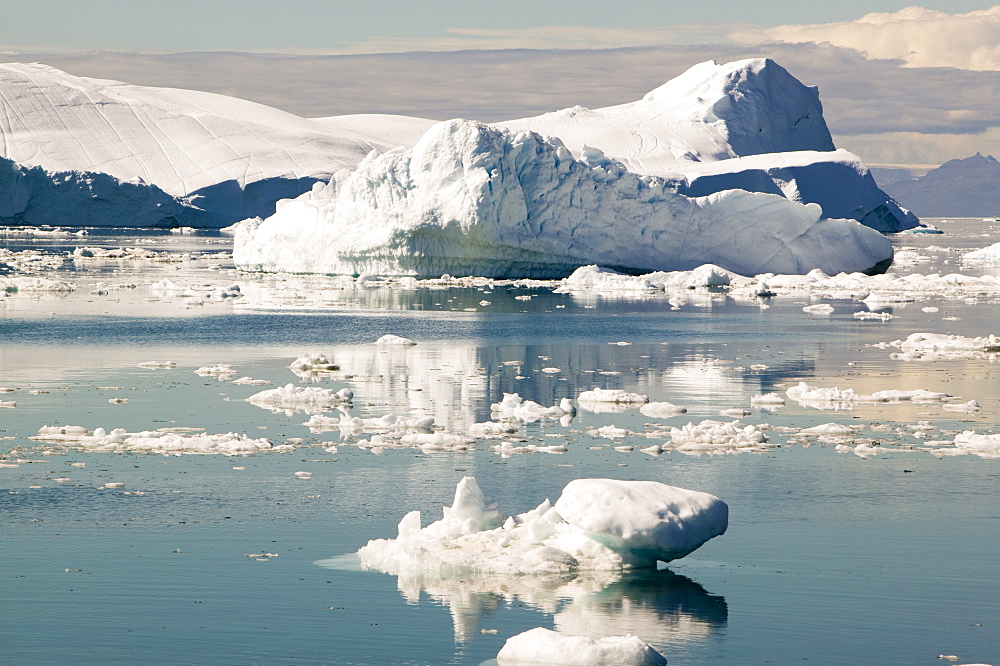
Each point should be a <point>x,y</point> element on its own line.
<point>318,26</point>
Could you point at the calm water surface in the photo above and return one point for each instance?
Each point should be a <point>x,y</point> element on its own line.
<point>830,558</point>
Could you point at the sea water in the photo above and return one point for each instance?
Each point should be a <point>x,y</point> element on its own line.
<point>884,556</point>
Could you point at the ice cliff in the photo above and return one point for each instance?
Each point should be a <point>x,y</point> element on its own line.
<point>474,199</point>
<point>34,196</point>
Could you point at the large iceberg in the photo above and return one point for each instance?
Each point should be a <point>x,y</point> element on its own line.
<point>699,128</point>
<point>474,199</point>
<point>233,158</point>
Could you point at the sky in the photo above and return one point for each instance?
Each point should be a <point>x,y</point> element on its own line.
<point>905,85</point>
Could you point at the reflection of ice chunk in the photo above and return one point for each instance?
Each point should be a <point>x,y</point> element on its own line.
<point>308,399</point>
<point>836,398</point>
<point>544,646</point>
<point>595,524</point>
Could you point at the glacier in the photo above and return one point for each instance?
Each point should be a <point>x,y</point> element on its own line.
<point>473,199</point>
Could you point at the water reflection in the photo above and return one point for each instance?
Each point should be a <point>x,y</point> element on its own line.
<point>663,608</point>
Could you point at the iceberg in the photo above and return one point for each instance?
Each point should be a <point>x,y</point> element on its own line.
<point>229,157</point>
<point>596,524</point>
<point>473,199</point>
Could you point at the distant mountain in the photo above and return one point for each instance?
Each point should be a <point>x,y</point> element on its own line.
<point>967,187</point>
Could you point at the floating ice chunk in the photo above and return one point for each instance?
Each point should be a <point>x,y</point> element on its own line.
<point>220,370</point>
<point>596,524</point>
<point>612,396</point>
<point>313,363</point>
<point>513,406</point>
<point>872,316</point>
<point>610,432</point>
<point>767,399</point>
<point>735,412</point>
<point>492,429</point>
<point>930,346</point>
<point>307,399</point>
<point>971,443</point>
<point>437,441</point>
<point>390,339</point>
<point>661,410</point>
<point>8,404</point>
<point>819,308</point>
<point>250,381</point>
<point>984,255</point>
<point>117,401</point>
<point>17,284</point>
<point>304,476</point>
<point>970,407</point>
<point>544,646</point>
<point>828,429</point>
<point>716,437</point>
<point>156,365</point>
<point>354,425</point>
<point>507,449</point>
<point>167,443</point>
<point>836,398</point>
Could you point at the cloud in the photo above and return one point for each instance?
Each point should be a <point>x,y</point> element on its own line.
<point>918,37</point>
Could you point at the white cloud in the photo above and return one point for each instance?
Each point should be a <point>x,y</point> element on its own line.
<point>918,37</point>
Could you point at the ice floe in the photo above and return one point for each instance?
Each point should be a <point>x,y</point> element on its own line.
<point>836,398</point>
<point>544,646</point>
<point>166,443</point>
<point>308,399</point>
<point>933,346</point>
<point>513,406</point>
<point>595,524</point>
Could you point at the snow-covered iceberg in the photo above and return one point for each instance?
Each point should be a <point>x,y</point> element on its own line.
<point>473,199</point>
<point>596,524</point>
<point>700,128</point>
<point>232,157</point>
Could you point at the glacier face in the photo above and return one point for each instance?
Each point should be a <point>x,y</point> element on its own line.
<point>473,199</point>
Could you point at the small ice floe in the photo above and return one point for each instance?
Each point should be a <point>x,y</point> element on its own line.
<point>984,255</point>
<point>829,429</point>
<point>492,429</point>
<point>437,441</point>
<point>303,476</point>
<point>394,340</point>
<point>354,425</point>
<point>250,381</point>
<point>610,432</point>
<point>767,400</point>
<point>544,646</point>
<point>222,371</point>
<point>836,398</point>
<point>114,484</point>
<point>735,412</point>
<point>715,437</point>
<point>14,285</point>
<point>513,406</point>
<point>970,407</point>
<point>601,401</point>
<point>307,399</point>
<point>508,449</point>
<point>930,309</point>
<point>117,401</point>
<point>971,443</point>
<point>596,524</point>
<point>865,315</point>
<point>156,365</point>
<point>551,371</point>
<point>819,308</point>
<point>661,410</point>
<point>313,363</point>
<point>166,443</point>
<point>931,346</point>
<point>8,404</point>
